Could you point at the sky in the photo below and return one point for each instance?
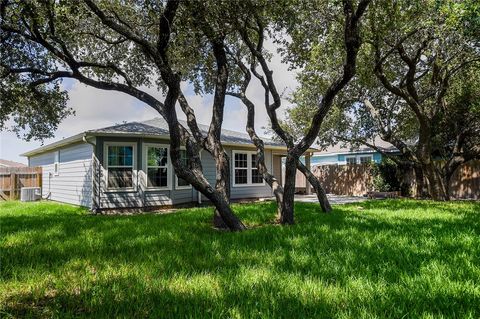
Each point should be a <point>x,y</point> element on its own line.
<point>98,108</point>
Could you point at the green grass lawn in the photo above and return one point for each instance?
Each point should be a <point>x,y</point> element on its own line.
<point>392,258</point>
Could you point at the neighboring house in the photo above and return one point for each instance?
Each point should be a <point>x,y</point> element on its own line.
<point>341,154</point>
<point>6,163</point>
<point>128,165</point>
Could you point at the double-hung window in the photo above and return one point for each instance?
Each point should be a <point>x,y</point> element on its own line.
<point>358,159</point>
<point>240,167</point>
<point>120,166</point>
<point>157,166</point>
<point>351,160</point>
<point>365,159</point>
<point>245,171</point>
<point>257,178</point>
<point>181,183</point>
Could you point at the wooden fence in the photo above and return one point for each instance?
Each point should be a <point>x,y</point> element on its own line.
<point>353,180</point>
<point>465,181</point>
<point>12,179</point>
<point>356,180</point>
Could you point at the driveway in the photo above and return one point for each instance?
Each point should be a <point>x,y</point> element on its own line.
<point>334,199</point>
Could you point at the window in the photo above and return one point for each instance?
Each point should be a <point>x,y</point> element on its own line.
<point>240,168</point>
<point>358,159</point>
<point>365,159</point>
<point>351,160</point>
<point>257,178</point>
<point>56,163</point>
<point>245,170</point>
<point>181,183</point>
<point>157,167</point>
<point>120,162</point>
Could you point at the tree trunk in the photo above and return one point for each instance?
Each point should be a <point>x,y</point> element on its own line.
<point>222,185</point>
<point>223,214</point>
<point>286,214</point>
<point>271,180</point>
<point>446,182</point>
<point>420,181</point>
<point>313,180</point>
<point>406,175</point>
<point>223,217</point>
<point>221,194</point>
<point>436,186</point>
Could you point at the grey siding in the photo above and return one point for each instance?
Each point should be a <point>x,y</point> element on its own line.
<point>209,170</point>
<point>277,168</point>
<point>238,192</point>
<point>73,184</point>
<point>250,191</point>
<point>119,198</point>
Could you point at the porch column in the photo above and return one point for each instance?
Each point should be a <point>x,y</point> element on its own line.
<point>308,187</point>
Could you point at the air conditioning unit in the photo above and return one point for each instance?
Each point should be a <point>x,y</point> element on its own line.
<point>30,194</point>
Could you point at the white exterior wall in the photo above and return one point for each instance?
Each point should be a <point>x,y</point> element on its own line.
<point>73,184</point>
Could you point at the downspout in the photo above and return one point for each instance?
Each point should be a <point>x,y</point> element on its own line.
<point>199,198</point>
<point>95,207</point>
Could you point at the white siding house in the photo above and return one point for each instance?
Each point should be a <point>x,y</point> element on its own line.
<point>67,174</point>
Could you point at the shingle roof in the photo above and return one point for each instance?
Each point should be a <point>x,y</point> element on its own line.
<point>158,126</point>
<point>342,148</point>
<point>132,128</point>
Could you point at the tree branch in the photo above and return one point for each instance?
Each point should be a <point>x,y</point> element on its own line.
<point>352,42</point>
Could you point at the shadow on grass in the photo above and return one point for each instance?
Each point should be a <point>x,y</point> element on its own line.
<point>381,258</point>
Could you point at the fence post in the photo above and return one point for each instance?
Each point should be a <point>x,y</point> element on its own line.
<point>13,185</point>
<point>38,177</point>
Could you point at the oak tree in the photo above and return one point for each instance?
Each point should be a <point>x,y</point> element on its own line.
<point>126,47</point>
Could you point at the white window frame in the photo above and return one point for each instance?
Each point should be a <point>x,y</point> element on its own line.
<point>56,163</point>
<point>248,168</point>
<point>168,166</point>
<point>350,156</point>
<point>189,186</point>
<point>365,155</point>
<point>134,165</point>
<point>357,158</point>
<point>254,168</point>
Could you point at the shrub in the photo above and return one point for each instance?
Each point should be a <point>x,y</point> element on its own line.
<point>385,176</point>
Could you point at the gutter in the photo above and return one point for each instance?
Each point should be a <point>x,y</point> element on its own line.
<point>320,154</point>
<point>54,145</point>
<point>95,205</point>
<point>84,138</point>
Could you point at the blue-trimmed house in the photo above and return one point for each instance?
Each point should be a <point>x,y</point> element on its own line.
<point>343,154</point>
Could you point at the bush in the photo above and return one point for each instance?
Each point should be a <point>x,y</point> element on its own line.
<point>385,176</point>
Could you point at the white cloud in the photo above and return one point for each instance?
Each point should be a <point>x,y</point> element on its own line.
<point>97,108</point>
<point>93,109</point>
